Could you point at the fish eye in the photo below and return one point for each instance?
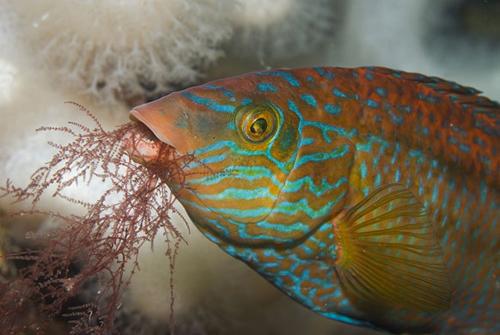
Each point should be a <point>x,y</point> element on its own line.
<point>256,123</point>
<point>258,127</point>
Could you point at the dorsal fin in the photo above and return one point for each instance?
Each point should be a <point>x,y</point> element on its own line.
<point>389,258</point>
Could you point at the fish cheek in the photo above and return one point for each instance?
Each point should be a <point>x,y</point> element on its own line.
<point>284,148</point>
<point>209,128</point>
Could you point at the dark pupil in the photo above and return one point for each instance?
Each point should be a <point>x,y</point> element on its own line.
<point>259,126</point>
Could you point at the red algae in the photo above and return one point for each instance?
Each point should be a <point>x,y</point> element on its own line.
<point>105,239</point>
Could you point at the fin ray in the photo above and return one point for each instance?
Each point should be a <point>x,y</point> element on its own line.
<point>389,255</point>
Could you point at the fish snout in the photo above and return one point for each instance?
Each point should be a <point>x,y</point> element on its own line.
<point>166,120</point>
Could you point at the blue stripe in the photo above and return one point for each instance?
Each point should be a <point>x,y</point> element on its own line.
<point>219,226</point>
<point>284,228</point>
<point>235,193</point>
<point>251,173</point>
<point>464,147</point>
<point>317,190</point>
<point>372,103</point>
<point>235,148</point>
<point>246,101</point>
<point>326,128</point>
<point>339,94</point>
<point>396,119</point>
<point>292,208</point>
<point>322,156</point>
<point>381,91</point>
<point>266,87</point>
<point>345,319</point>
<point>207,102</point>
<point>239,172</point>
<point>282,74</point>
<point>241,227</point>
<point>324,73</point>
<point>371,140</point>
<point>332,109</point>
<point>430,98</point>
<point>363,170</point>
<point>284,207</point>
<point>309,99</point>
<point>397,176</point>
<point>484,191</point>
<point>227,92</point>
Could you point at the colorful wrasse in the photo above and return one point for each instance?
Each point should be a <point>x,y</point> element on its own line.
<point>368,195</point>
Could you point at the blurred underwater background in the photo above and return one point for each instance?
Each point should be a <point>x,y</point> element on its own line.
<point>110,55</point>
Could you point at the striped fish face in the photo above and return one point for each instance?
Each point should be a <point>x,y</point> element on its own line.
<point>258,177</point>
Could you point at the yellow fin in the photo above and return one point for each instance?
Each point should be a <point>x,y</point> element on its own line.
<point>389,258</point>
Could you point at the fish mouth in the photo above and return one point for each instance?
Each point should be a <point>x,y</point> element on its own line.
<point>148,141</point>
<point>154,133</point>
<point>167,120</point>
<point>142,145</point>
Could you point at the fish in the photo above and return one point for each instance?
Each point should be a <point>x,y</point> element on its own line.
<point>369,195</point>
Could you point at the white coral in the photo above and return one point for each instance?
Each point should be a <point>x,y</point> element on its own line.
<point>277,31</point>
<point>122,48</point>
<point>28,101</point>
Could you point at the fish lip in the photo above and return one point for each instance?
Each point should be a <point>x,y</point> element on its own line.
<point>136,115</point>
<point>140,147</point>
<point>145,146</point>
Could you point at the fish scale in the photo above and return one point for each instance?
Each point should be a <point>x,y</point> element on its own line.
<point>370,195</point>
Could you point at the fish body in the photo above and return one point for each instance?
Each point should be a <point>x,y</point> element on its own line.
<point>369,195</point>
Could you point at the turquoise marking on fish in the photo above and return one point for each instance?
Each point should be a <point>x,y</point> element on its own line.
<point>287,76</point>
<point>363,170</point>
<point>246,101</point>
<point>382,92</point>
<point>339,94</point>
<point>209,103</point>
<point>316,189</point>
<point>236,149</point>
<point>303,206</point>
<point>323,73</point>
<point>242,172</point>
<point>267,87</point>
<point>319,157</point>
<point>332,109</point>
<point>309,99</point>
<point>225,91</point>
<point>396,119</point>
<point>372,103</point>
<point>239,194</point>
<point>298,226</point>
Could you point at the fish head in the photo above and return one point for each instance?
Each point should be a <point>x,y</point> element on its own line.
<point>256,176</point>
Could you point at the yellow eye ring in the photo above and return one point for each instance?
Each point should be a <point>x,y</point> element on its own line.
<point>257,123</point>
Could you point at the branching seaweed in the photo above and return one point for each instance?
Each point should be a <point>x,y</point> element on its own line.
<point>136,207</point>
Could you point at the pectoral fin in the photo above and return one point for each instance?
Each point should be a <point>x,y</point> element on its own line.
<point>389,257</point>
